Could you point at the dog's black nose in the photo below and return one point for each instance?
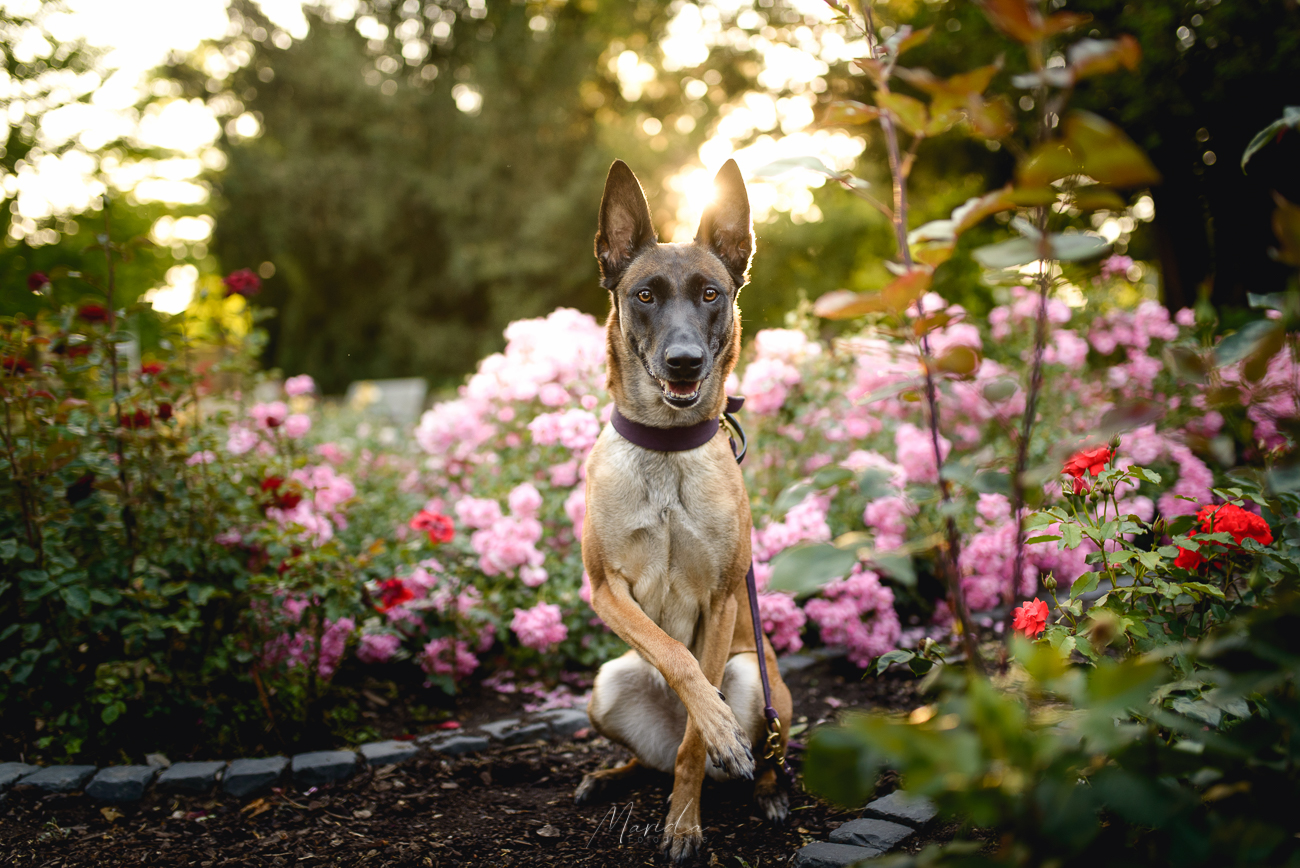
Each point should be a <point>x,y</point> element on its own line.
<point>684,362</point>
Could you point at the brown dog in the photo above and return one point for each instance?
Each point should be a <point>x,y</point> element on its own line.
<point>666,540</point>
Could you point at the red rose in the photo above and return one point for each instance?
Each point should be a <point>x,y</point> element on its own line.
<point>1087,461</point>
<point>271,483</point>
<point>36,281</point>
<point>242,282</point>
<point>1030,618</point>
<point>93,313</point>
<point>1225,518</point>
<point>439,527</point>
<point>17,365</point>
<point>164,411</point>
<point>393,592</point>
<point>138,419</point>
<point>153,369</point>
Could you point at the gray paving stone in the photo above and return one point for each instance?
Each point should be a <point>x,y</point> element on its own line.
<point>880,834</point>
<point>382,753</point>
<point>247,776</point>
<point>527,732</point>
<point>121,783</point>
<point>565,721</point>
<point>498,728</point>
<point>323,767</point>
<point>11,772</point>
<point>196,778</point>
<point>457,745</point>
<point>823,855</point>
<point>59,779</point>
<point>900,807</point>
<point>794,663</point>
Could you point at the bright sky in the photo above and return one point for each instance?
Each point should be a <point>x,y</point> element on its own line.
<point>139,34</point>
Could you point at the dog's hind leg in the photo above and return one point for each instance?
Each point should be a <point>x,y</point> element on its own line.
<point>609,784</point>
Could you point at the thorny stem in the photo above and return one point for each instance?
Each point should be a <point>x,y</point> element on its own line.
<point>899,172</point>
<point>1044,282</point>
<point>128,520</point>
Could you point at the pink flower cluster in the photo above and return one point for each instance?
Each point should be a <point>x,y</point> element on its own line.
<point>540,628</point>
<point>572,429</point>
<point>783,621</point>
<point>448,656</point>
<point>858,613</point>
<point>506,542</point>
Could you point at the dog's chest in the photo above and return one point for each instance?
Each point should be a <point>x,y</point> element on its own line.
<point>668,524</point>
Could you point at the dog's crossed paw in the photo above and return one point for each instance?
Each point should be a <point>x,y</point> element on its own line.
<point>726,743</point>
<point>775,805</point>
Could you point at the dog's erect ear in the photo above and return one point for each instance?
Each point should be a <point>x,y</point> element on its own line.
<point>625,225</point>
<point>726,228</point>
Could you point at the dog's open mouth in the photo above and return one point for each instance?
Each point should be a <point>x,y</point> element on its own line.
<point>681,394</point>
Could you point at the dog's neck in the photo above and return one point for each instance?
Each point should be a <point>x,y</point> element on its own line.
<point>639,397</point>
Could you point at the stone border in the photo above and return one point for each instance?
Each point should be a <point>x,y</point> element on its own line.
<point>886,824</point>
<point>247,777</point>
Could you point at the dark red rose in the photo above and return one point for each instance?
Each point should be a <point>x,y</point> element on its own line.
<point>1087,461</point>
<point>1225,518</point>
<point>393,592</point>
<point>243,282</point>
<point>17,365</point>
<point>138,419</point>
<point>36,281</point>
<point>93,313</point>
<point>153,369</point>
<point>271,483</point>
<point>288,499</point>
<point>164,411</point>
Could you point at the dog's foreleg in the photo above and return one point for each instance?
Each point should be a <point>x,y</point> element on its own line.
<point>726,744</point>
<point>683,834</point>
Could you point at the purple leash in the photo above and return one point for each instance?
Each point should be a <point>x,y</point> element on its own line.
<point>692,437</point>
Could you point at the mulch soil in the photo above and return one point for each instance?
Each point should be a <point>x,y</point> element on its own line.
<point>510,806</point>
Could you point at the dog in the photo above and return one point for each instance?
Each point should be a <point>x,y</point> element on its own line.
<point>666,538</point>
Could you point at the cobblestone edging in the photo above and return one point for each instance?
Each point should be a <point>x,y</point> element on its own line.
<point>886,824</point>
<point>249,776</point>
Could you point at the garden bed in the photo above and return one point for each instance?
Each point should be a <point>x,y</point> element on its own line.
<point>507,806</point>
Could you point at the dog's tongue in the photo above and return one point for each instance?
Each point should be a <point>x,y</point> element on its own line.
<point>687,388</point>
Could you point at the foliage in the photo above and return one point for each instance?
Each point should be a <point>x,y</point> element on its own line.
<point>421,178</point>
<point>1072,766</point>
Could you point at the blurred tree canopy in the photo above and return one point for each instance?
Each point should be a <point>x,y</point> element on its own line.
<point>44,73</point>
<point>425,174</point>
<point>411,179</point>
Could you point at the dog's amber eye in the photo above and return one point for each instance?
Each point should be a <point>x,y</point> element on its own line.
<point>710,294</point>
<point>646,295</point>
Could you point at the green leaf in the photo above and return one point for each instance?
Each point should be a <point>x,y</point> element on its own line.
<point>1245,341</point>
<point>791,496</point>
<point>1022,251</point>
<point>77,600</point>
<point>804,569</point>
<point>1086,583</point>
<point>911,113</point>
<point>875,483</point>
<point>790,164</point>
<point>896,656</point>
<point>8,549</point>
<point>1108,155</point>
<point>1071,535</point>
<point>1290,118</point>
<point>832,475</point>
<point>1040,539</point>
<point>897,565</point>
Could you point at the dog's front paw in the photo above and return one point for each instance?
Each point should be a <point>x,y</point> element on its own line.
<point>726,743</point>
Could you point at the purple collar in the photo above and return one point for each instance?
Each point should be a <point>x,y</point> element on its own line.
<point>670,439</point>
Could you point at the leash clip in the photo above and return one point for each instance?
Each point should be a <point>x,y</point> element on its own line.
<point>774,740</point>
<point>735,432</point>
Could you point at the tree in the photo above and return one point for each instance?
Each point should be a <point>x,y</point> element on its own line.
<point>425,174</point>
